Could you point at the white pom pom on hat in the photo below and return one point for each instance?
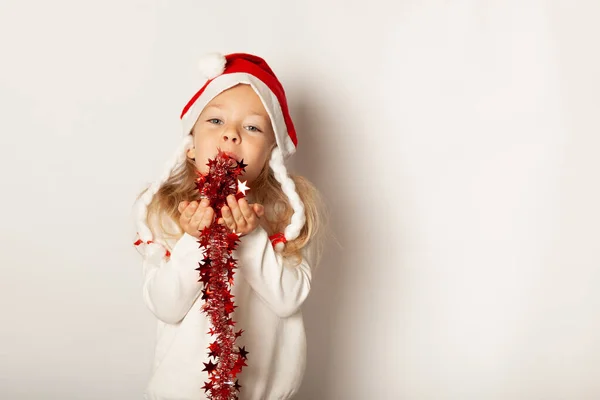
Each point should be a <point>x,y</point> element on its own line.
<point>212,65</point>
<point>223,72</point>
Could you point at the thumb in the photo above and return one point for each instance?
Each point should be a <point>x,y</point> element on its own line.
<point>259,209</point>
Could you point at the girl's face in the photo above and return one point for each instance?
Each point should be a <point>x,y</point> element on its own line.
<point>236,122</point>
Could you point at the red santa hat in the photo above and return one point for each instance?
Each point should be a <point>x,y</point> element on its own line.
<point>223,72</point>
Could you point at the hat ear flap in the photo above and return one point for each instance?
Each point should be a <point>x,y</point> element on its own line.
<point>292,231</point>
<point>141,206</point>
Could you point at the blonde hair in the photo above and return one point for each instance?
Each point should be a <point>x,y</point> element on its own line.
<point>266,190</point>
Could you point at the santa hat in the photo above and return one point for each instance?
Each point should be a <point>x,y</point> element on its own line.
<point>223,72</point>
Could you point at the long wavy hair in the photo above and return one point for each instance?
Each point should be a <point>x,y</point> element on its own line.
<point>266,190</point>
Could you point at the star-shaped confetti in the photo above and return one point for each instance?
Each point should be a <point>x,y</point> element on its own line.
<point>242,187</point>
<point>243,352</point>
<point>237,385</point>
<point>209,367</point>
<point>207,386</point>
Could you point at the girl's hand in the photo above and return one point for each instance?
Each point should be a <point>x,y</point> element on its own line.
<point>241,217</point>
<point>195,217</point>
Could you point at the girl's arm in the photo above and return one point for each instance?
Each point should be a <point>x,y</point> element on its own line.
<point>284,288</point>
<point>171,286</point>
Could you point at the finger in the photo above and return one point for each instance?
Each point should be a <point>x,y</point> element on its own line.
<point>208,217</point>
<point>189,211</point>
<point>236,211</point>
<point>228,217</point>
<point>182,205</point>
<point>204,203</point>
<point>247,211</point>
<point>202,206</point>
<point>196,219</point>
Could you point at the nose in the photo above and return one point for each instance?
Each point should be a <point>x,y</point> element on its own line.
<point>231,134</point>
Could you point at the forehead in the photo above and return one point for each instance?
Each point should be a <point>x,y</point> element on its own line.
<point>238,95</point>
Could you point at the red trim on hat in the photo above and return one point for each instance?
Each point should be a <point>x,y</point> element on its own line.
<point>258,67</point>
<point>194,98</point>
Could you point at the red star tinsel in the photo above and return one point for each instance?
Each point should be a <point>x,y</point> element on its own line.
<point>216,273</point>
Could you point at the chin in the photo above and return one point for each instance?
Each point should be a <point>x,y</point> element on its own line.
<point>203,168</point>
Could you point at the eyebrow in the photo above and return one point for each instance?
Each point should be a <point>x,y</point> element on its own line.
<point>220,107</point>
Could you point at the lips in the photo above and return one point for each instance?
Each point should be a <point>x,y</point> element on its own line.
<point>232,155</point>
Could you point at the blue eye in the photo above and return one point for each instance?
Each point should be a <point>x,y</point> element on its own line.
<point>255,128</point>
<point>214,119</point>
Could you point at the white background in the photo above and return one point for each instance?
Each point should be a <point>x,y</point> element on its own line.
<point>455,141</point>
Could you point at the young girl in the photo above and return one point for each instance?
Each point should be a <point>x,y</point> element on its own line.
<point>242,110</point>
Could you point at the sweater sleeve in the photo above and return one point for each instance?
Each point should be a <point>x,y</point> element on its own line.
<point>171,286</point>
<point>283,287</point>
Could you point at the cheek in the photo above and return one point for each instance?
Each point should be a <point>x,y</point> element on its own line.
<point>257,166</point>
<point>203,146</point>
<point>201,138</point>
<point>266,154</point>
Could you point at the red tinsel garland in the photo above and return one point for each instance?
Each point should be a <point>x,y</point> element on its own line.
<point>216,273</point>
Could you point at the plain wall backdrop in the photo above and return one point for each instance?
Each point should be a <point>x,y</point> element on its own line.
<point>455,142</point>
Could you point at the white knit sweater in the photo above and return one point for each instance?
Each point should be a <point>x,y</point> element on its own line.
<point>268,291</point>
